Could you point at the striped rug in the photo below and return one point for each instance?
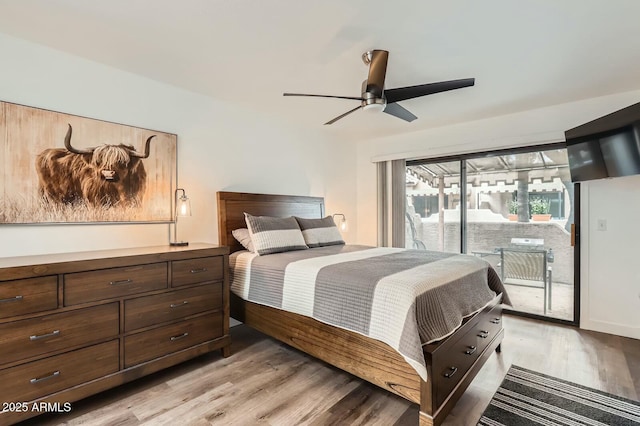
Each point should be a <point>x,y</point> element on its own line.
<point>529,398</point>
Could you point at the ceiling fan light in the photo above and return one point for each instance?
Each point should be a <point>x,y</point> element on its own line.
<point>374,107</point>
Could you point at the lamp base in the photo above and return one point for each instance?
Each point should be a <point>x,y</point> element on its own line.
<point>179,243</point>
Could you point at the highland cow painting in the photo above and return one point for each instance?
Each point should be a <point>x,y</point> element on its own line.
<point>62,168</point>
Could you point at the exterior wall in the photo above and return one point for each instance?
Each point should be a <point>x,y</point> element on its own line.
<point>487,236</point>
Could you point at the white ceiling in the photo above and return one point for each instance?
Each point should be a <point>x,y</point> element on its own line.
<point>524,54</point>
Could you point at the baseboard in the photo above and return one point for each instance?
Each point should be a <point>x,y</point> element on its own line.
<point>610,328</point>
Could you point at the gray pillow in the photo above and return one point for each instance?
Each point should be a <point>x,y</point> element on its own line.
<point>274,234</point>
<point>320,232</point>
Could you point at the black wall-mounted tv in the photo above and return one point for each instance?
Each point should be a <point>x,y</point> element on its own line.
<point>610,154</point>
<point>606,147</point>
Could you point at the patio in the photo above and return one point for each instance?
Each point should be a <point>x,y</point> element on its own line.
<point>527,299</point>
<point>503,194</point>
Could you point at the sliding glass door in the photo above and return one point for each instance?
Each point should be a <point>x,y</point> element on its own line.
<point>512,208</point>
<point>433,206</point>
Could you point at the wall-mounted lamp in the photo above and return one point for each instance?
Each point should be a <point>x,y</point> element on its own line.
<point>183,208</point>
<point>344,227</point>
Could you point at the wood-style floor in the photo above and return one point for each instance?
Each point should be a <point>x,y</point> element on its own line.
<point>266,382</point>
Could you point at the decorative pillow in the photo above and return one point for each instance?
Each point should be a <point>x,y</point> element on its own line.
<point>320,232</point>
<point>274,234</point>
<point>244,238</point>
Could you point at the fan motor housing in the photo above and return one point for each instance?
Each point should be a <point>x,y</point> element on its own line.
<point>371,103</point>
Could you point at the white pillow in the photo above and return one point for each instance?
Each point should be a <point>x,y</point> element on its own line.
<point>244,238</point>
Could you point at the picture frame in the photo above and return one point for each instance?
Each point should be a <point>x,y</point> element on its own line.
<point>63,168</point>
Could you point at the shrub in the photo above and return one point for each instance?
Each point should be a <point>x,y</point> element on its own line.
<point>539,206</point>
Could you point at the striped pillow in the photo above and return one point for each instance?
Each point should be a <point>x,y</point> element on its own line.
<point>274,234</point>
<point>320,232</point>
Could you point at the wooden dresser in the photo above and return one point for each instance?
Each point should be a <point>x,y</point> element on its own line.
<point>75,324</point>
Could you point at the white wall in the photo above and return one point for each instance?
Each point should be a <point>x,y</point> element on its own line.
<point>610,279</point>
<point>220,147</point>
<point>611,297</point>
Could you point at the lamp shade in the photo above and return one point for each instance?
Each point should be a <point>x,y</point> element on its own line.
<point>342,223</point>
<point>183,208</point>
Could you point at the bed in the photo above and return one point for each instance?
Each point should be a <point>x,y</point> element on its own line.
<point>450,364</point>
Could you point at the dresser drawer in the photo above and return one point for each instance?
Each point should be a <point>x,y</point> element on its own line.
<point>36,379</point>
<point>37,336</point>
<point>491,322</point>
<point>103,284</point>
<point>161,341</point>
<point>27,296</point>
<point>450,364</point>
<point>157,309</point>
<point>193,271</point>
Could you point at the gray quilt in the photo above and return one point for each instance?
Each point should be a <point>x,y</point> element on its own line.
<point>405,298</point>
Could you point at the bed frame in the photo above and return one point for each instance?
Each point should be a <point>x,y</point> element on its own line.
<point>451,363</point>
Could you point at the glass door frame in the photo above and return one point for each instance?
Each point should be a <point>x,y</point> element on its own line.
<point>463,219</point>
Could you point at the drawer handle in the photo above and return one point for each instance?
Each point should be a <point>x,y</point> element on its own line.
<point>120,282</point>
<point>178,337</point>
<point>452,370</point>
<point>11,299</point>
<point>175,305</point>
<point>197,271</point>
<point>483,334</point>
<point>44,336</point>
<point>471,350</point>
<point>495,321</point>
<point>42,379</point>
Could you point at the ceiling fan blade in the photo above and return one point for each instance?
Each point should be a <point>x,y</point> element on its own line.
<point>343,115</point>
<point>397,111</point>
<point>324,96</point>
<point>377,72</point>
<point>410,92</point>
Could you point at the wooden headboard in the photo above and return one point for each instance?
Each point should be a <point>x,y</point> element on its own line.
<point>233,205</point>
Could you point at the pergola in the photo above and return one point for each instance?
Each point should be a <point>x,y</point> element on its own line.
<point>522,172</point>
<point>494,171</point>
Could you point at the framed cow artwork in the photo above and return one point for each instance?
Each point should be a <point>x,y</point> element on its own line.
<point>63,168</point>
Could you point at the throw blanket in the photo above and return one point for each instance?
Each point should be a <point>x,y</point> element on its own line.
<point>404,298</point>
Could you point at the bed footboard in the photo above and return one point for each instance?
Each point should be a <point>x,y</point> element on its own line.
<point>354,353</point>
<point>451,364</point>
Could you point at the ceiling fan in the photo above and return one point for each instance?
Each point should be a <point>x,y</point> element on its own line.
<point>375,97</point>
